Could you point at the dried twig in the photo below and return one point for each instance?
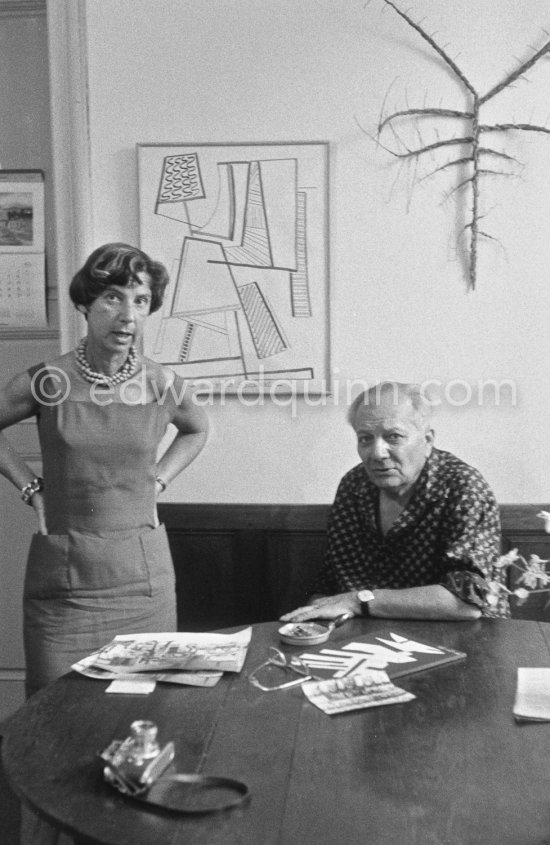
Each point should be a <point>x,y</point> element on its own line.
<point>478,152</point>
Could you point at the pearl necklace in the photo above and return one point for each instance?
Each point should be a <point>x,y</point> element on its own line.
<point>83,366</point>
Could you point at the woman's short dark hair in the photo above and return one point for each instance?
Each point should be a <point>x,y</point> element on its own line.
<point>117,264</point>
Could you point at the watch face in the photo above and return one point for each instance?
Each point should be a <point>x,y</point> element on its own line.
<point>365,595</point>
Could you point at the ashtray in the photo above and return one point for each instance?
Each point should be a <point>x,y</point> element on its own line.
<point>311,633</point>
<point>304,633</point>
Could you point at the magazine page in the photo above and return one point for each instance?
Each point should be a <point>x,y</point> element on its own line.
<point>393,653</point>
<point>185,652</point>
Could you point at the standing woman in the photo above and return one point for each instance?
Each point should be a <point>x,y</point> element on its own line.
<point>100,563</point>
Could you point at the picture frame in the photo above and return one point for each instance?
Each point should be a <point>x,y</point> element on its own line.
<point>22,255</point>
<point>243,229</point>
<point>22,224</point>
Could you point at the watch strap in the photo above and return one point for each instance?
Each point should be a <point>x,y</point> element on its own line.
<point>365,602</point>
<point>365,610</point>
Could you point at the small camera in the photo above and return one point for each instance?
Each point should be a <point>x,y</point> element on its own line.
<point>135,763</point>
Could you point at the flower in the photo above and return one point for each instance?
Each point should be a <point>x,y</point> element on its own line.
<point>505,560</point>
<point>533,575</point>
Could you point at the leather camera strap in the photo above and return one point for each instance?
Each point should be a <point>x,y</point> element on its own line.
<point>183,793</point>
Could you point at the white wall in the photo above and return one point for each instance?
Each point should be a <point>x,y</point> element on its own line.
<point>281,70</point>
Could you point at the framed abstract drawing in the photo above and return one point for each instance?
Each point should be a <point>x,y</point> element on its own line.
<point>243,230</point>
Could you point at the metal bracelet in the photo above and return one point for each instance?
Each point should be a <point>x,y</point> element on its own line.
<point>28,491</point>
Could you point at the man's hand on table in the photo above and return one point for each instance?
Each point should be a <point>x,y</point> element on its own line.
<point>326,607</point>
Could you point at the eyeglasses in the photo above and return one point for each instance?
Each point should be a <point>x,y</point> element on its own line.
<point>276,662</point>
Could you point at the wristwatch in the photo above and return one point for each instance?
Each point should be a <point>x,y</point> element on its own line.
<point>365,596</point>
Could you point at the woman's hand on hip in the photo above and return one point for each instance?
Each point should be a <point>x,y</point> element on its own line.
<point>37,502</point>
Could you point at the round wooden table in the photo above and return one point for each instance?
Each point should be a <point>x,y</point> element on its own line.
<point>449,768</point>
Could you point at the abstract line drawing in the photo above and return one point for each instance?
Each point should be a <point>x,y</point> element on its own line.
<point>266,336</point>
<point>243,230</point>
<point>180,180</point>
<point>299,290</point>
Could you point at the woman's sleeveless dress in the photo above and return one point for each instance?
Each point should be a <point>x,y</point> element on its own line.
<point>104,568</point>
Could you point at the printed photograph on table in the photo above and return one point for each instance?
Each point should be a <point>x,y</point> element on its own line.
<point>243,232</point>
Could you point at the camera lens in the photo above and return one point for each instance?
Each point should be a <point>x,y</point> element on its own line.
<point>144,736</point>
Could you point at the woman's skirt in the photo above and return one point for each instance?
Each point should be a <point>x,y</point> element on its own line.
<point>82,590</point>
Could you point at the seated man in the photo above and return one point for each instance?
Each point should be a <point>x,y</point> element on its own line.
<point>413,531</point>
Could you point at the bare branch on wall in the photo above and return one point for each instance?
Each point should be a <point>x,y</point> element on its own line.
<point>475,160</point>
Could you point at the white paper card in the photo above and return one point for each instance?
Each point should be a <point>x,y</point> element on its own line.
<point>133,687</point>
<point>532,702</point>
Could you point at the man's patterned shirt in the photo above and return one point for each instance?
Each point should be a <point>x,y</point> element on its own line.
<point>448,534</point>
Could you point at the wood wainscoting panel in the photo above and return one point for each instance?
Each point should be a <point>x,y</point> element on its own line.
<point>219,580</point>
<point>12,693</point>
<point>239,564</point>
<point>292,562</point>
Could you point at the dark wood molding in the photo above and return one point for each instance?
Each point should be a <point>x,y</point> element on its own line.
<point>299,517</point>
<point>29,333</point>
<point>243,517</point>
<point>516,518</point>
<point>22,8</point>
